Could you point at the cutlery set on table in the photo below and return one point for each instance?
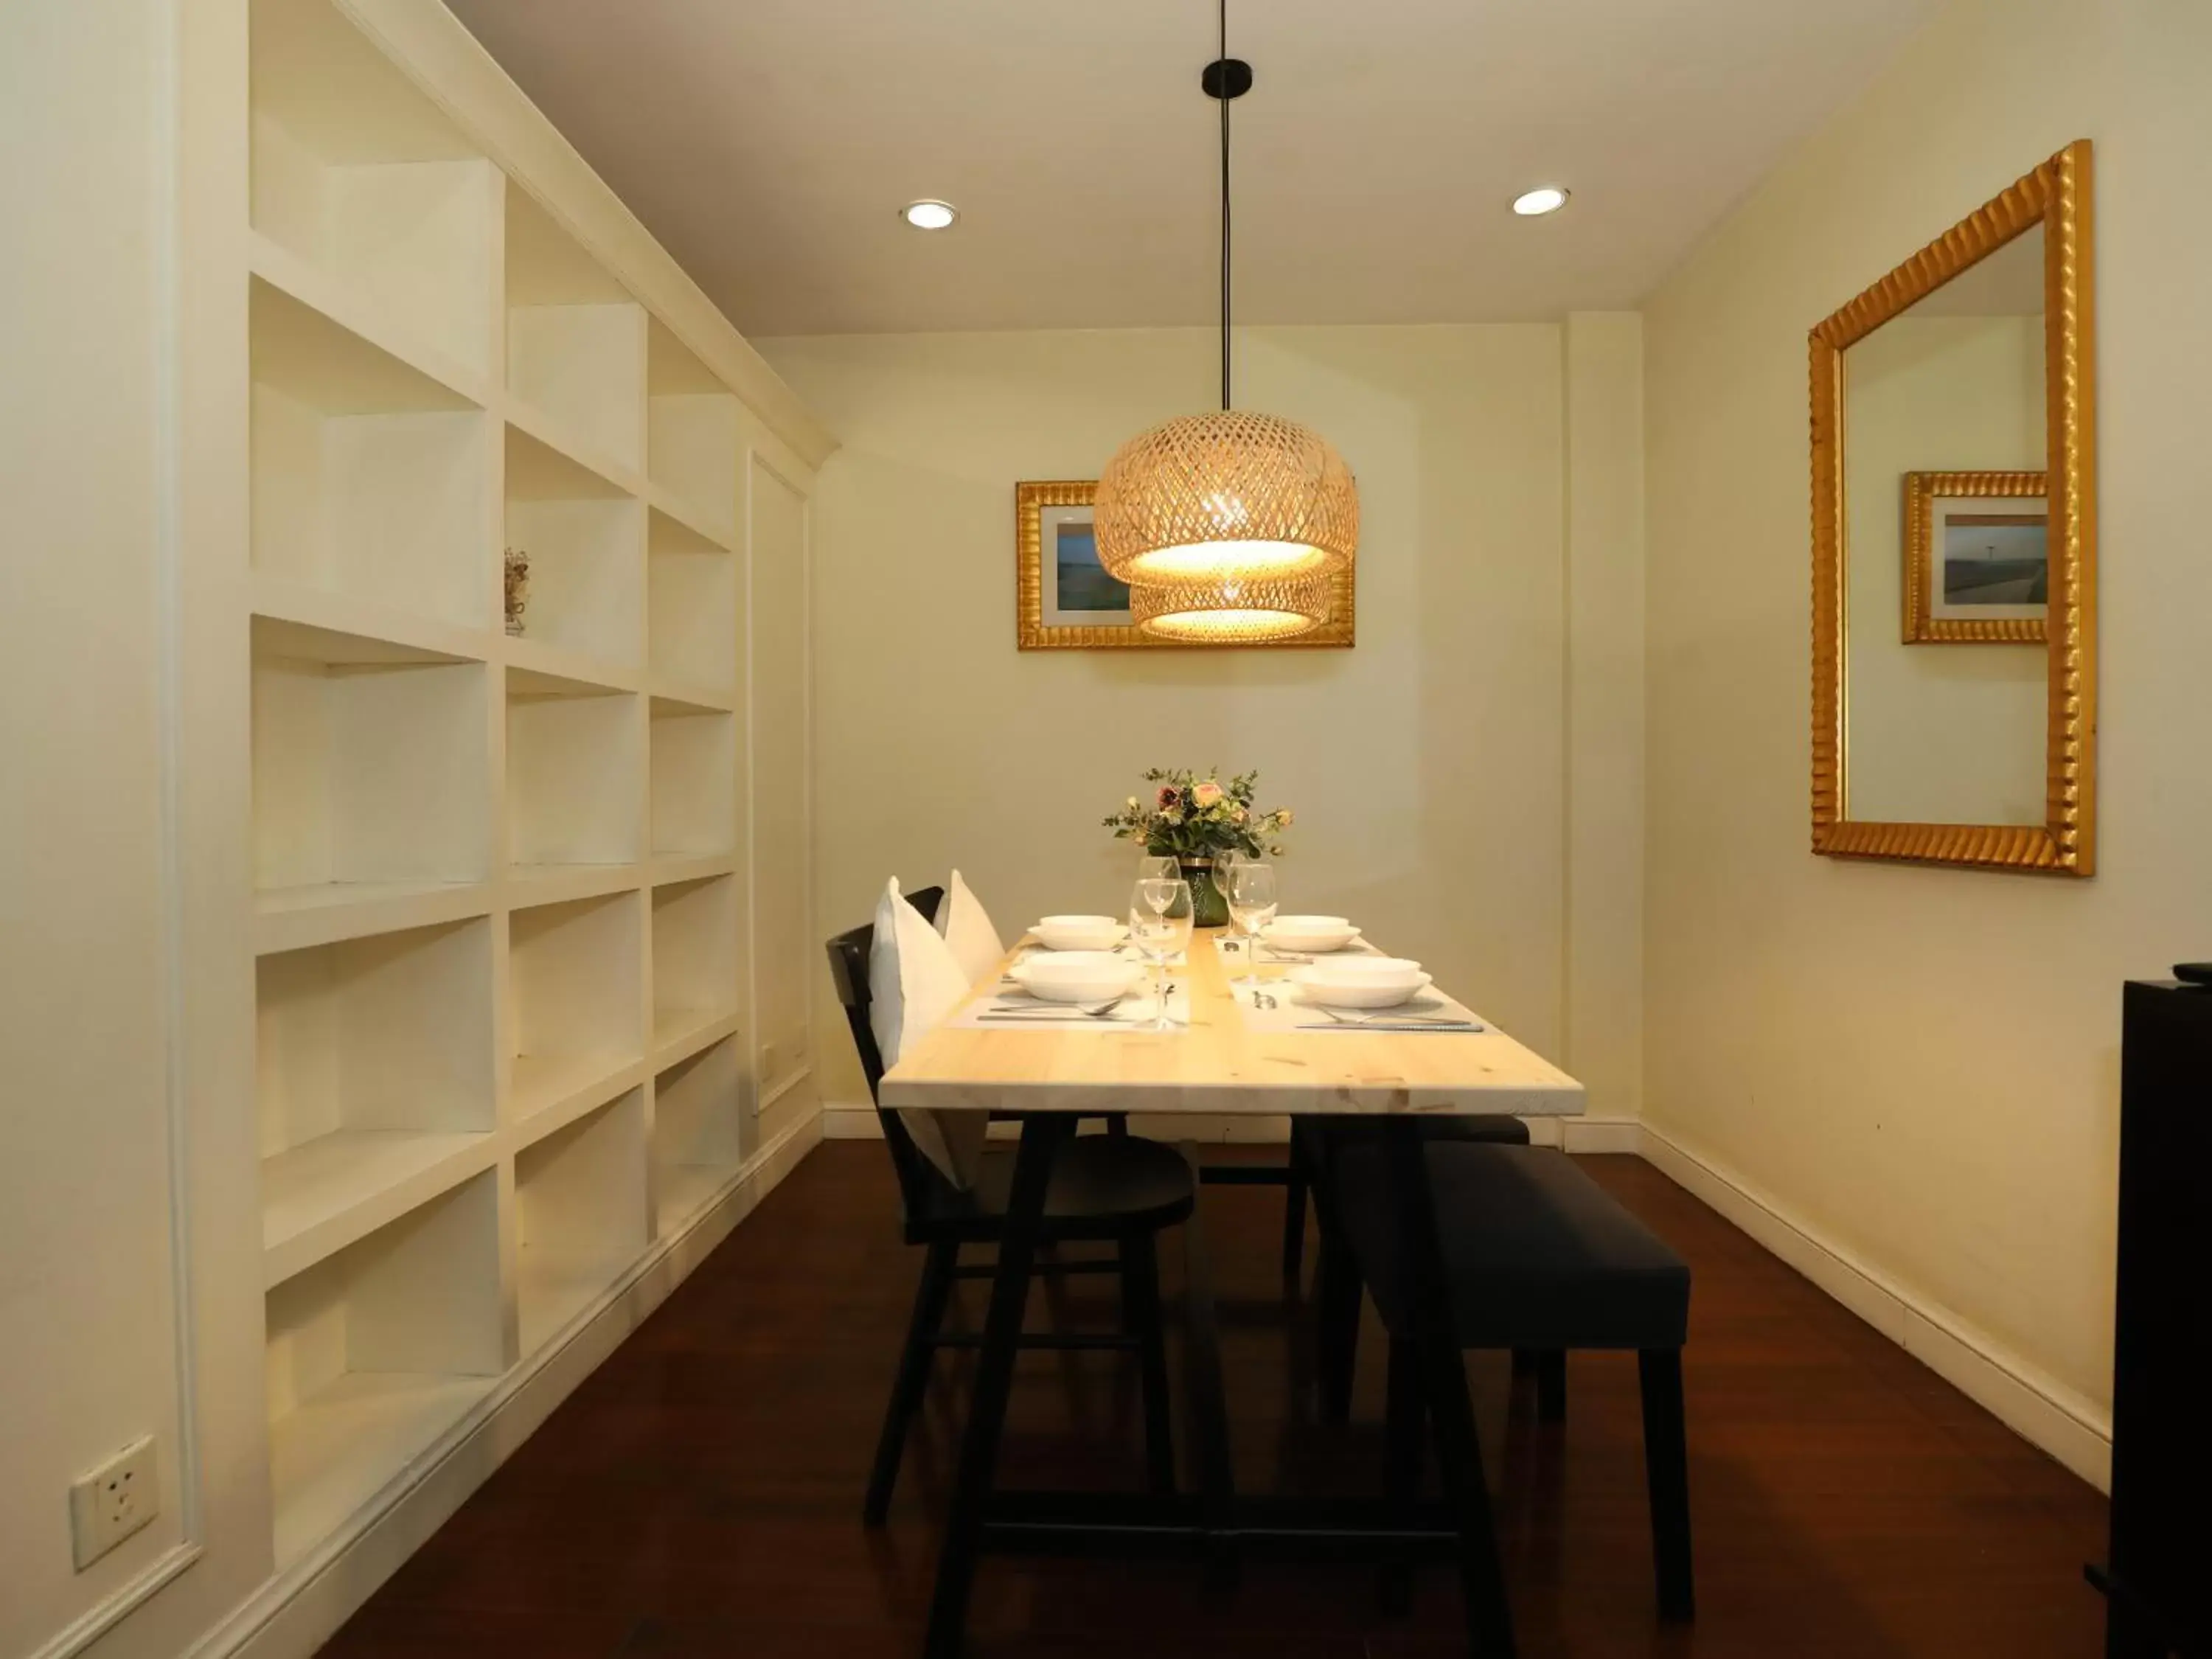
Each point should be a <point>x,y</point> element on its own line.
<point>1082,972</point>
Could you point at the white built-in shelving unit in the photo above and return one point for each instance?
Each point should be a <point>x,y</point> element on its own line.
<point>509,1037</point>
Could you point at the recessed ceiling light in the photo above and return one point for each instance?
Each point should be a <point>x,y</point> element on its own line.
<point>1549,198</point>
<point>929,216</point>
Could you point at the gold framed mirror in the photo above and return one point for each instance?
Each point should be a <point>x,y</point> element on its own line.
<point>1954,488</point>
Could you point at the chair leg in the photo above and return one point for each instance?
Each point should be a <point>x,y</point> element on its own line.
<point>1295,1180</point>
<point>1665,1461</point>
<point>1401,1468</point>
<point>1117,1124</point>
<point>1551,1385</point>
<point>1141,1303</point>
<point>1336,1299</point>
<point>912,1382</point>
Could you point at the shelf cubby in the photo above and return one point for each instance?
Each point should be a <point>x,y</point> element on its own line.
<point>499,880</point>
<point>698,1130</point>
<point>695,958</point>
<point>576,996</point>
<point>691,435</point>
<point>695,772</point>
<point>691,606</point>
<point>371,766</point>
<point>370,477</point>
<point>575,341</point>
<point>584,535</point>
<point>373,1072</point>
<point>581,1194</point>
<point>573,760</point>
<point>375,1352</point>
<point>357,173</point>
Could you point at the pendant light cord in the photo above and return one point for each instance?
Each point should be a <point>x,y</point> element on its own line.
<point>1225,101</point>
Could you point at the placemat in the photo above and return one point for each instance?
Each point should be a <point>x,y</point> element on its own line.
<point>1010,1008</point>
<point>1279,1006</point>
<point>1232,950</point>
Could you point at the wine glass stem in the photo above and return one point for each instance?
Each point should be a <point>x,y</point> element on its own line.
<point>1160,992</point>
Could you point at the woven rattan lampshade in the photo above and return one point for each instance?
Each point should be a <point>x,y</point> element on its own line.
<point>1225,496</point>
<point>1228,527</point>
<point>1236,611</point>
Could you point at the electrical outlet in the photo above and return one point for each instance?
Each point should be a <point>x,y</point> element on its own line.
<point>108,1503</point>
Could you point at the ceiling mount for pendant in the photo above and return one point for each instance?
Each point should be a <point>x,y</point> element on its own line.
<point>1225,78</point>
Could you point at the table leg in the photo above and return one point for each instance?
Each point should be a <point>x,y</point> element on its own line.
<point>1443,1381</point>
<point>1042,1136</point>
<point>1207,1401</point>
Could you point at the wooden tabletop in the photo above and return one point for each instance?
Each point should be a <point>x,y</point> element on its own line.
<point>1219,1065</point>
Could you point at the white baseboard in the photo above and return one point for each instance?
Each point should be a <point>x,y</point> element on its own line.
<point>299,1610</point>
<point>2041,1410</point>
<point>1588,1134</point>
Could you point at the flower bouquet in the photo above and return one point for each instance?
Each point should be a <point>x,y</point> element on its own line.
<point>1195,820</point>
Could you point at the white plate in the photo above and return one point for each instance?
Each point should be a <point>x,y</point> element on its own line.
<point>1383,993</point>
<point>1080,932</point>
<point>1076,976</point>
<point>1309,933</point>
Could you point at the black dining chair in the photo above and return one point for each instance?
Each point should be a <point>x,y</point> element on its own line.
<point>1117,1188</point>
<point>1539,1258</point>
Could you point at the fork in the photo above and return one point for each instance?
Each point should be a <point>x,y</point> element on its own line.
<point>1384,1017</point>
<point>1089,1010</point>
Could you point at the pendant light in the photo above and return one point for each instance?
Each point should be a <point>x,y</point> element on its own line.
<point>1228,527</point>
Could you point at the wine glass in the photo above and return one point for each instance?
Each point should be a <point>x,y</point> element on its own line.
<point>1159,927</point>
<point>1153,866</point>
<point>1224,863</point>
<point>1251,895</point>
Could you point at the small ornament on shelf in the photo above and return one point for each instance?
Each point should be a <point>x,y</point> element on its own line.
<point>518,588</point>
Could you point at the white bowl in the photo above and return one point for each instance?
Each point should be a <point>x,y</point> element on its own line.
<point>1361,983</point>
<point>1076,976</point>
<point>1380,993</point>
<point>1080,932</point>
<point>1309,933</point>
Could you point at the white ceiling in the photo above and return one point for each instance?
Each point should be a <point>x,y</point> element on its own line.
<point>769,142</point>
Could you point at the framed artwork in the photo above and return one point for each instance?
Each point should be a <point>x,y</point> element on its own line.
<point>1977,558</point>
<point>1066,600</point>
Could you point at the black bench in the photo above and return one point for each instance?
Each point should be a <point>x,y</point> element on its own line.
<point>1537,1257</point>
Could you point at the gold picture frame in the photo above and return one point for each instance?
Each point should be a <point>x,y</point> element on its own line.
<point>1924,623</point>
<point>2057,195</point>
<point>1040,623</point>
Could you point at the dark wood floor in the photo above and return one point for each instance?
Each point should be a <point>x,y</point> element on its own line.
<point>699,1494</point>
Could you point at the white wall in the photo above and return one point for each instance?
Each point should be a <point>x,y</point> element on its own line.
<point>1920,1065</point>
<point>87,1289</point>
<point>1427,766</point>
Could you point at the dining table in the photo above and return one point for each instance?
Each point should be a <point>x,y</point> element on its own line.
<point>1224,1055</point>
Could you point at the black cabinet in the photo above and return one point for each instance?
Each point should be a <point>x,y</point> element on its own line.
<point>2159,1576</point>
